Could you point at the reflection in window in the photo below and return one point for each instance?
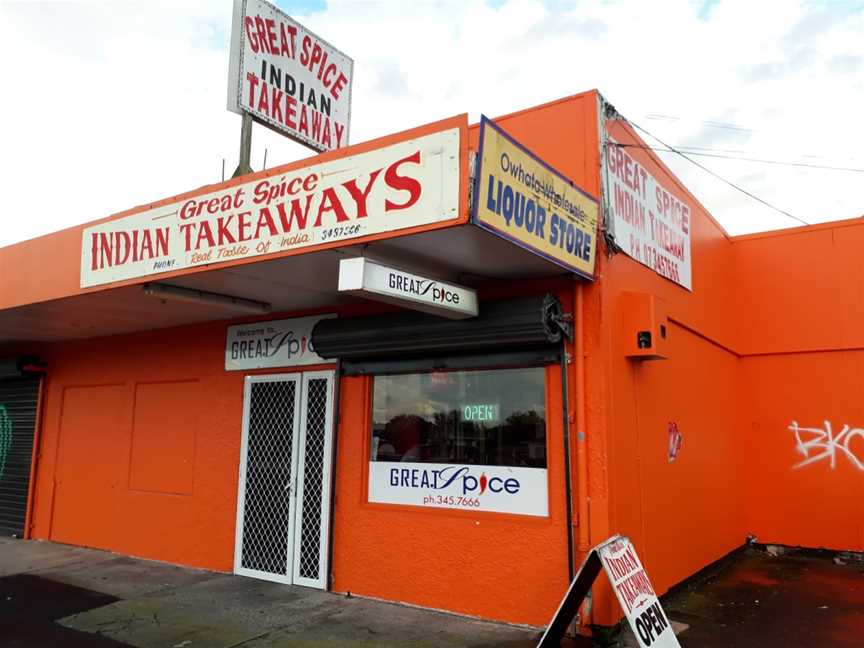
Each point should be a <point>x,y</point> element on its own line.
<point>494,418</point>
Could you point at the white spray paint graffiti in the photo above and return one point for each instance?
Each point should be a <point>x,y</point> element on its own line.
<point>827,444</point>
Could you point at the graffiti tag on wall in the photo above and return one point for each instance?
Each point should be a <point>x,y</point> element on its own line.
<point>5,438</point>
<point>823,444</point>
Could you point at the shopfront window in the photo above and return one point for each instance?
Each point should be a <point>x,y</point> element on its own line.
<point>493,418</point>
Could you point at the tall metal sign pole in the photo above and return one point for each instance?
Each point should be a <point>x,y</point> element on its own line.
<point>285,77</point>
<point>244,165</point>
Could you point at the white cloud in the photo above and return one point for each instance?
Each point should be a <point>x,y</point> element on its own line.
<point>110,105</point>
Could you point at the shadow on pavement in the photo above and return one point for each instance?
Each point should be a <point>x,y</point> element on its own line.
<point>30,605</point>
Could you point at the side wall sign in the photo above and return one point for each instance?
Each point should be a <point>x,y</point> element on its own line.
<point>409,183</point>
<point>521,198</point>
<point>274,343</point>
<point>288,78</point>
<point>648,222</point>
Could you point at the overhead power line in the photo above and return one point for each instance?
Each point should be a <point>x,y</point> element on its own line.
<point>712,124</point>
<point>691,151</point>
<point>672,149</point>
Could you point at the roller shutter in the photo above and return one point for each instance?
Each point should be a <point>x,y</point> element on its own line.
<point>512,328</point>
<point>18,403</point>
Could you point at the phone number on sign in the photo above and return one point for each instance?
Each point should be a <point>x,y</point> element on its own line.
<point>451,500</point>
<point>340,232</point>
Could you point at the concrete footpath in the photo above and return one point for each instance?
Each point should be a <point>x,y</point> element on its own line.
<point>56,595</point>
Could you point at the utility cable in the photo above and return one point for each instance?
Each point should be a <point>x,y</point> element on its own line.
<point>672,149</point>
<point>689,151</point>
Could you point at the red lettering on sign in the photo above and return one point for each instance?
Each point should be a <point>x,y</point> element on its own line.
<point>251,36</point>
<point>359,196</point>
<point>403,183</point>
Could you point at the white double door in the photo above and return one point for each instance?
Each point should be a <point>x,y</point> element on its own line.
<point>283,500</point>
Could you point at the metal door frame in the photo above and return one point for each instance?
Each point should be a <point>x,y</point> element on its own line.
<point>326,458</point>
<point>241,485</point>
<point>298,456</point>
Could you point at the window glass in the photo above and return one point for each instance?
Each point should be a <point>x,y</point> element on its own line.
<point>493,418</point>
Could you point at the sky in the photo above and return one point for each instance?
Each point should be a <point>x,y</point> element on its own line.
<point>110,105</point>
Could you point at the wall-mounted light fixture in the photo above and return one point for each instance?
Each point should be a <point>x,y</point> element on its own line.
<point>179,293</point>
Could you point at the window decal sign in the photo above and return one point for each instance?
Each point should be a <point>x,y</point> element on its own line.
<point>406,184</point>
<point>522,199</point>
<point>274,343</point>
<point>288,78</point>
<point>500,489</point>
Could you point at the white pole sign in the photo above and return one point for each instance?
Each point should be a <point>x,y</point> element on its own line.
<point>288,78</point>
<point>635,594</point>
<point>409,183</point>
<point>361,276</point>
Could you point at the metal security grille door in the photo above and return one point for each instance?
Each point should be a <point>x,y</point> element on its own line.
<point>313,492</point>
<point>268,464</point>
<point>283,498</point>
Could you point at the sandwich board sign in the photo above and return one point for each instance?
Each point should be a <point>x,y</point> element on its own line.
<point>629,580</point>
<point>634,592</point>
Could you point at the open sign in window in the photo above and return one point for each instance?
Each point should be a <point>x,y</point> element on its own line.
<point>491,417</point>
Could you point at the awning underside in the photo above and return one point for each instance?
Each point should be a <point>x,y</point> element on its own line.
<point>465,254</point>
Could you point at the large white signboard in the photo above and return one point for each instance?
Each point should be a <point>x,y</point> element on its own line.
<point>649,223</point>
<point>635,594</point>
<point>275,343</point>
<point>360,276</point>
<point>288,78</point>
<point>410,183</point>
<point>502,489</point>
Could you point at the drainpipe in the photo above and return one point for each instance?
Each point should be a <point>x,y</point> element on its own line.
<point>584,539</point>
<point>568,472</point>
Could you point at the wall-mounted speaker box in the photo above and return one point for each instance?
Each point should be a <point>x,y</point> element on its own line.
<point>644,327</point>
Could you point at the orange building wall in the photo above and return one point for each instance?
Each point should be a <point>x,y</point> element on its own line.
<point>140,446</point>
<point>139,455</point>
<point>685,513</point>
<point>490,565</point>
<point>803,361</point>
